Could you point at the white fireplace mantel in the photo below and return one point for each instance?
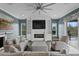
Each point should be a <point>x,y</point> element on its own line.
<point>47,31</point>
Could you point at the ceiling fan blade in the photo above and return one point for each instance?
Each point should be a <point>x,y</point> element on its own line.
<point>34,11</point>
<point>48,5</point>
<point>41,4</point>
<point>37,4</point>
<point>44,11</point>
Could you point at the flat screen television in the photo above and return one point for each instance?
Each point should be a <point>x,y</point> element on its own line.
<point>38,24</point>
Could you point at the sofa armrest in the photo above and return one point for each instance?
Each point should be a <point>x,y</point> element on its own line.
<point>61,46</point>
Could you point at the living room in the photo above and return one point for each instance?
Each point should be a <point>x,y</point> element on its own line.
<point>38,29</point>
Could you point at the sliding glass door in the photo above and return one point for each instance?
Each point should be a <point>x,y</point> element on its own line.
<point>72,28</point>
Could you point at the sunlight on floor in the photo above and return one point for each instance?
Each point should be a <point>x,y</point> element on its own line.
<point>73,46</point>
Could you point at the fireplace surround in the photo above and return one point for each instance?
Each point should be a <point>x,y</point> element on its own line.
<point>39,24</point>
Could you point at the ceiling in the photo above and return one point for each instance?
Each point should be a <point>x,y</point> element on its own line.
<point>23,10</point>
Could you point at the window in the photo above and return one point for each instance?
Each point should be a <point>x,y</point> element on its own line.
<point>54,29</point>
<point>23,28</point>
<point>72,28</point>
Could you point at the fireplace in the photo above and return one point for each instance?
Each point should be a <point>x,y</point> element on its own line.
<point>1,41</point>
<point>39,28</point>
<point>38,35</point>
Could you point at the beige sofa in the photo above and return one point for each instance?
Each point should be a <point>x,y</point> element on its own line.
<point>62,45</point>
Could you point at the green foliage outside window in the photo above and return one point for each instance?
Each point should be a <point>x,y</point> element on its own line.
<point>73,30</point>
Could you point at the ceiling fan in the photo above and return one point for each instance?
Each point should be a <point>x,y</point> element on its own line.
<point>42,7</point>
